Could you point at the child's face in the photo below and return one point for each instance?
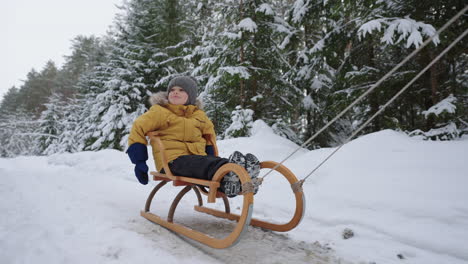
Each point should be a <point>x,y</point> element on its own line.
<point>178,96</point>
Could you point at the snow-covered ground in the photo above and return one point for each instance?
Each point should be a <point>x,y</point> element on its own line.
<point>404,198</point>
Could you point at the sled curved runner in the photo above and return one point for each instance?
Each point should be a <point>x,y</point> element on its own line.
<point>210,189</point>
<point>291,224</point>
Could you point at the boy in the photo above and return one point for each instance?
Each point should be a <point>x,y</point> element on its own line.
<point>177,115</point>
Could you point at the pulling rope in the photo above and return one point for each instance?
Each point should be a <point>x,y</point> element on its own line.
<point>373,87</point>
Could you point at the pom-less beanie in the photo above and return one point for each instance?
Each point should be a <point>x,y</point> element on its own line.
<point>189,85</point>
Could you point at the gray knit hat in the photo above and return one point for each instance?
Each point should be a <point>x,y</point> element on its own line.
<point>189,84</point>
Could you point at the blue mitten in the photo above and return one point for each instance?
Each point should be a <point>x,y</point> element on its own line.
<point>209,149</point>
<point>138,154</point>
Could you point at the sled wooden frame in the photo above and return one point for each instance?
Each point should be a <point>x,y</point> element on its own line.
<point>199,187</point>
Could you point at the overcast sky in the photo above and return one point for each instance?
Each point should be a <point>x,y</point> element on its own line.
<point>35,31</point>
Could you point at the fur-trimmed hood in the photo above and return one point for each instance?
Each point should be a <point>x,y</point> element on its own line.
<point>160,98</point>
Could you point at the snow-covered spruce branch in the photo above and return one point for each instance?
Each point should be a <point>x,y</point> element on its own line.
<point>180,44</point>
<point>408,28</point>
<point>37,135</point>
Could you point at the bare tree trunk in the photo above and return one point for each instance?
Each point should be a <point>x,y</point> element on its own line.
<point>373,97</point>
<point>242,82</point>
<point>254,80</point>
<point>434,81</point>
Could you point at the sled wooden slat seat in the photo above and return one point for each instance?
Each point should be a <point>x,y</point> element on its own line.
<point>210,189</point>
<point>184,181</point>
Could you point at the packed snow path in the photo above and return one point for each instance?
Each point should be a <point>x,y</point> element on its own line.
<point>402,197</point>
<point>59,211</point>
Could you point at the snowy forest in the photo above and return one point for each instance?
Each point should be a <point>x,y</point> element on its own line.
<point>294,64</point>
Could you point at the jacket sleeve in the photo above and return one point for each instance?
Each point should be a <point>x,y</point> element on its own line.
<point>149,121</point>
<point>209,132</point>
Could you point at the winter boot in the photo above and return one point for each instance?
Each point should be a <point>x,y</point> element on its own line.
<point>252,165</point>
<point>231,185</point>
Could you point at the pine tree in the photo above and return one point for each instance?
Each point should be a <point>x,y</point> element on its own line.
<point>242,122</point>
<point>50,125</point>
<point>246,64</point>
<point>296,64</point>
<point>38,86</point>
<point>148,48</point>
<point>319,47</point>
<point>400,36</point>
<point>342,48</point>
<point>69,139</point>
<point>10,104</point>
<point>87,53</point>
<point>17,134</point>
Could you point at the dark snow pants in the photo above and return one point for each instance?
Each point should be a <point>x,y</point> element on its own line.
<point>196,166</point>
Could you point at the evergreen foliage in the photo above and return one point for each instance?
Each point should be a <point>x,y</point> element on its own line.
<point>147,49</point>
<point>17,134</point>
<point>69,138</point>
<point>87,53</point>
<point>10,102</point>
<point>242,122</point>
<point>50,125</point>
<point>294,64</point>
<point>246,64</point>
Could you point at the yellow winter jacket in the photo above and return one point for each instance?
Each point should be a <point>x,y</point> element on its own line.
<point>181,128</point>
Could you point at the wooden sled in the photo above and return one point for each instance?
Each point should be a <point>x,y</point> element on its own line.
<point>210,189</point>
